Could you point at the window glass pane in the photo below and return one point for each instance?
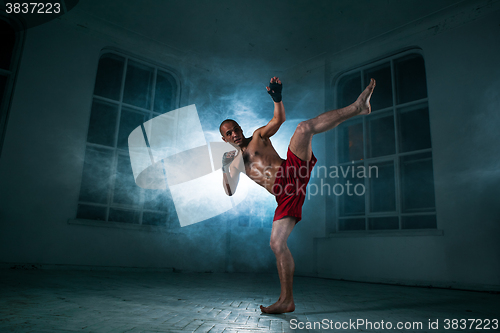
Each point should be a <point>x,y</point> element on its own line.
<point>417,186</point>
<point>89,212</point>
<point>125,191</point>
<point>419,222</point>
<point>382,187</point>
<point>383,223</point>
<point>129,120</point>
<point>381,139</point>
<point>138,85</point>
<point>8,41</point>
<point>3,84</point>
<point>415,132</point>
<point>96,175</point>
<point>411,84</point>
<point>351,141</point>
<point>382,75</point>
<point>164,92</point>
<point>349,88</point>
<point>352,224</point>
<point>127,216</point>
<point>102,127</point>
<point>158,200</point>
<point>350,202</point>
<point>109,78</point>
<point>150,218</point>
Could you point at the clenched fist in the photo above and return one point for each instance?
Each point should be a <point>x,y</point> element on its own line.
<point>227,159</point>
<point>275,88</point>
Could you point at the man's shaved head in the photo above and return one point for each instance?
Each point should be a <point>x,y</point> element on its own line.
<point>225,122</point>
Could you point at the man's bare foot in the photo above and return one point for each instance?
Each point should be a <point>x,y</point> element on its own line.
<point>279,307</point>
<point>363,101</point>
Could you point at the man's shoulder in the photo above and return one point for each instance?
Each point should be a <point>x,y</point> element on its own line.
<point>257,133</point>
<point>257,138</point>
<point>259,141</point>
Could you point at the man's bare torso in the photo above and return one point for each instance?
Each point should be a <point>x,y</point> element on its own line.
<point>262,162</point>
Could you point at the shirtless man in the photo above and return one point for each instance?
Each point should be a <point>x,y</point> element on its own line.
<point>286,179</point>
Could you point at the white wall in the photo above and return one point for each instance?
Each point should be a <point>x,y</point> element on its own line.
<point>463,81</point>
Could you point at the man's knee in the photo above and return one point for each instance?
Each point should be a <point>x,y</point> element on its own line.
<point>277,245</point>
<point>305,127</point>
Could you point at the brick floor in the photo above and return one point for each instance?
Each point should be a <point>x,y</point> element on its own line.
<point>96,301</point>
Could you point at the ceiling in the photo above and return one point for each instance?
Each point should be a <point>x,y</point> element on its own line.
<point>278,34</point>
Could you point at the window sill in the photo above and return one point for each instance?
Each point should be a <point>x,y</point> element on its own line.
<point>127,226</point>
<point>386,233</point>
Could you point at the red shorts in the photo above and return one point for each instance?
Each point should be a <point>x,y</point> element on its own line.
<point>291,184</point>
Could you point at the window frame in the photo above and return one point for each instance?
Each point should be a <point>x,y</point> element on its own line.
<point>395,158</point>
<point>117,151</point>
<point>5,106</point>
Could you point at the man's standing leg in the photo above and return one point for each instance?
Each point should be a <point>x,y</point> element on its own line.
<point>300,145</point>
<point>286,266</point>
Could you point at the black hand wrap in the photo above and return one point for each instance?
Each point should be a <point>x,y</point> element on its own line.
<point>275,91</point>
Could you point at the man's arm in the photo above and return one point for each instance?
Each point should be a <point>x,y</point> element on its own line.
<point>231,168</point>
<point>279,117</point>
<point>229,183</point>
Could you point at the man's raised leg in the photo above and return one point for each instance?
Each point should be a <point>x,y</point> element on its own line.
<point>300,144</point>
<point>286,266</point>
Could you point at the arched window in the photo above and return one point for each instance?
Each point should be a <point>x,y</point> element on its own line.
<point>392,145</point>
<point>10,52</point>
<point>127,93</point>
